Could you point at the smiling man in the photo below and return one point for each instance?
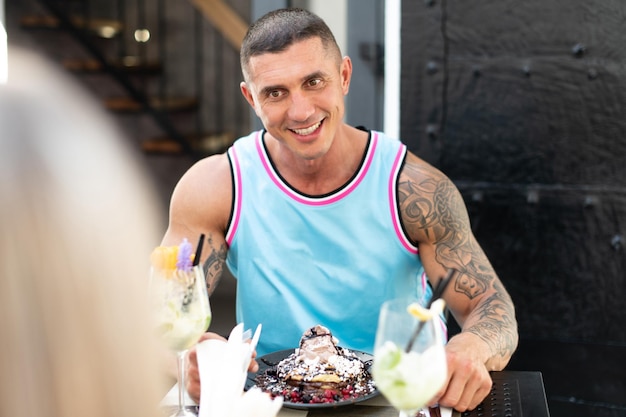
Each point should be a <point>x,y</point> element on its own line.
<point>321,222</point>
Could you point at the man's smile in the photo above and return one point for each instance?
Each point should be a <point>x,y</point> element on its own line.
<point>308,130</point>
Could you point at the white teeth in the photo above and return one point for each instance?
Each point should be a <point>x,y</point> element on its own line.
<point>308,130</point>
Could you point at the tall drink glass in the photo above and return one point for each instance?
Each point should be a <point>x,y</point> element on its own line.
<point>408,379</point>
<point>183,314</point>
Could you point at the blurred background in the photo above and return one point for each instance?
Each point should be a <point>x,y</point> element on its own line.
<point>521,104</point>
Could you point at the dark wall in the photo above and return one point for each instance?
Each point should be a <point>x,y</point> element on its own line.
<point>523,105</point>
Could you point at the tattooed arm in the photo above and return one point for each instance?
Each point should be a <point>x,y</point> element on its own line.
<point>435,217</point>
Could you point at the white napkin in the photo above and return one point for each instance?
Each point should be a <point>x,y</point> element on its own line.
<point>223,368</point>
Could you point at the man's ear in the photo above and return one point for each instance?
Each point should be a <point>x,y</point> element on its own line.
<point>247,94</point>
<point>346,74</point>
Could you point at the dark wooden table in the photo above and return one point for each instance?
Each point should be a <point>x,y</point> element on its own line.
<point>514,394</point>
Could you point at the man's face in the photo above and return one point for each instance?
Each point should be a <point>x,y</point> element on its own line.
<point>299,95</point>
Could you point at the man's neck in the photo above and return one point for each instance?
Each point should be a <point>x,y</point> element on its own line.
<point>325,174</point>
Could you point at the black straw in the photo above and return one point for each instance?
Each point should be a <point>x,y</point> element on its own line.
<point>196,258</point>
<point>437,293</point>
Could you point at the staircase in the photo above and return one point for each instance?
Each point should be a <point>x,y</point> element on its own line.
<point>168,70</point>
<point>176,95</point>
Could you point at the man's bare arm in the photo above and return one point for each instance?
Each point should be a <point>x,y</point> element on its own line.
<point>214,263</point>
<point>435,216</point>
<point>201,204</point>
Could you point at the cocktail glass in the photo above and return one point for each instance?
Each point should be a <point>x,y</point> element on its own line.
<point>183,314</point>
<point>408,375</point>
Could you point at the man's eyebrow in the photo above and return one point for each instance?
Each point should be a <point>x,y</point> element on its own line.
<point>267,90</point>
<point>316,74</point>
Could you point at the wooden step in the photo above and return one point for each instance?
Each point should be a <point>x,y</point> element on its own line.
<point>207,144</point>
<point>104,28</point>
<point>169,105</point>
<point>129,65</point>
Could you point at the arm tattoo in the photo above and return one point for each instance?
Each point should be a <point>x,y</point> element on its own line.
<point>214,265</point>
<point>496,324</point>
<point>433,210</point>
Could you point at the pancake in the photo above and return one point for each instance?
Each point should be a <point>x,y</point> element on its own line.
<point>318,371</point>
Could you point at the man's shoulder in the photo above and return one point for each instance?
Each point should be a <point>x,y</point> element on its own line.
<point>207,174</point>
<point>417,169</point>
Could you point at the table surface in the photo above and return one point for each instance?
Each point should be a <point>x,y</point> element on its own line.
<point>514,394</point>
<point>374,407</point>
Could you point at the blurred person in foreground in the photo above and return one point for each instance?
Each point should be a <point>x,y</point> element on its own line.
<point>321,222</point>
<point>78,221</point>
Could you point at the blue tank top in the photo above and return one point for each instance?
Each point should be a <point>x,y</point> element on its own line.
<point>303,260</point>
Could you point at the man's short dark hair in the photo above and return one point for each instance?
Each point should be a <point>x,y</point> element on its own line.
<point>279,29</point>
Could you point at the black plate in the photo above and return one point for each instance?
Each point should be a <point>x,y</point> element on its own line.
<point>271,359</point>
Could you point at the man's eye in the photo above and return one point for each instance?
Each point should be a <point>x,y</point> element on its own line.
<point>274,94</point>
<point>314,82</point>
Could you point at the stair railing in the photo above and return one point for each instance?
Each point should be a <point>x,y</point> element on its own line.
<point>226,30</point>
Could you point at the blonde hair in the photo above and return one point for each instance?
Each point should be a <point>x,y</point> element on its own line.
<point>77,221</point>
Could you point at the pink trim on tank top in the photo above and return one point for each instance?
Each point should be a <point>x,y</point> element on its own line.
<point>392,190</point>
<point>237,197</point>
<point>316,201</point>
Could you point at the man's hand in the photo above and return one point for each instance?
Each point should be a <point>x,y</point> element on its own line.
<point>193,374</point>
<point>468,381</point>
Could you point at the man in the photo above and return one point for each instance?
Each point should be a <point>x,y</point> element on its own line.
<point>321,222</point>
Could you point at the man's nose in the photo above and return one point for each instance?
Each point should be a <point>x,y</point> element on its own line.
<point>301,107</point>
